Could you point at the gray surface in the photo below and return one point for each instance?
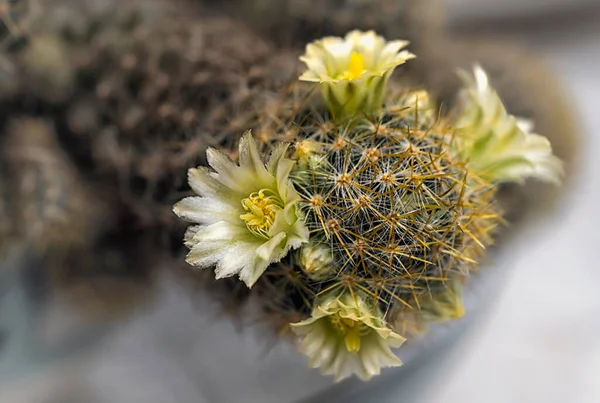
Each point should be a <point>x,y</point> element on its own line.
<point>181,351</point>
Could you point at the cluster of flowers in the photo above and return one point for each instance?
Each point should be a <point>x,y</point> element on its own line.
<point>375,212</point>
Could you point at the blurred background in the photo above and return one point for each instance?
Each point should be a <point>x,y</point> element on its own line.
<point>539,341</point>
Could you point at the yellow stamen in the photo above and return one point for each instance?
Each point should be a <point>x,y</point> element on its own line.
<point>352,340</point>
<point>356,67</point>
<point>261,210</point>
<point>351,330</point>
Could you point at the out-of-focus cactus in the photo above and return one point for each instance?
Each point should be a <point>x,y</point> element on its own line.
<point>297,22</point>
<point>16,17</point>
<point>46,203</point>
<point>143,100</point>
<point>125,101</point>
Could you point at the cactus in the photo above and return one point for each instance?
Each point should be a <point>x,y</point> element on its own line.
<point>391,202</point>
<point>119,104</point>
<point>124,102</point>
<point>16,17</point>
<point>389,211</point>
<point>297,22</point>
<point>136,100</point>
<point>396,210</point>
<point>46,202</point>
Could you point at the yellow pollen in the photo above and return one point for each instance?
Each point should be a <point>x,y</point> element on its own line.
<point>260,212</point>
<point>356,67</point>
<point>351,330</point>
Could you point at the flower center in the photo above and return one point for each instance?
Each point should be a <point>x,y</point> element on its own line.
<point>351,330</point>
<point>356,67</point>
<point>261,208</point>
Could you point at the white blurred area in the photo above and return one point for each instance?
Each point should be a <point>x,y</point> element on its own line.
<point>541,342</point>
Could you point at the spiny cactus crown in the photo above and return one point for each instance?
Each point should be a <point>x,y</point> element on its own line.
<point>386,198</point>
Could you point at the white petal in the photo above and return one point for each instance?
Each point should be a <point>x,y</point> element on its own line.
<point>282,220</point>
<point>298,236</point>
<point>316,69</point>
<point>203,183</point>
<point>482,81</point>
<point>207,254</point>
<point>250,273</point>
<point>376,354</point>
<point>204,210</point>
<point>190,233</point>
<point>496,143</point>
<point>326,356</point>
<point>238,257</point>
<point>270,250</point>
<point>526,125</point>
<point>277,155</point>
<point>310,75</point>
<point>228,173</point>
<point>221,231</point>
<point>283,184</point>
<point>250,160</point>
<point>315,339</point>
<point>351,364</point>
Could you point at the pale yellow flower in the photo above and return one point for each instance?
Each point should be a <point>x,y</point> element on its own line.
<point>417,108</point>
<point>352,72</point>
<point>345,336</point>
<point>317,261</point>
<point>247,213</point>
<point>443,305</point>
<point>497,144</point>
<point>305,150</point>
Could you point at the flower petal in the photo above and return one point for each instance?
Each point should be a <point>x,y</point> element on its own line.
<point>269,250</point>
<point>203,183</point>
<point>233,239</point>
<point>205,210</point>
<point>240,256</point>
<point>324,344</point>
<point>496,144</point>
<point>346,70</point>
<point>207,254</point>
<point>190,233</point>
<point>228,173</point>
<point>251,273</point>
<point>221,231</point>
<point>250,160</point>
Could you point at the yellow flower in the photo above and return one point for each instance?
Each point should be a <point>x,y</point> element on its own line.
<point>497,144</point>
<point>352,72</point>
<point>345,336</point>
<point>247,213</point>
